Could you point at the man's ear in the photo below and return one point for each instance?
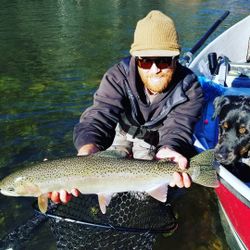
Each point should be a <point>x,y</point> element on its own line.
<point>219,103</point>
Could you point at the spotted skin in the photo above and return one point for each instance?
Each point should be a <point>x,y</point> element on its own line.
<point>104,176</point>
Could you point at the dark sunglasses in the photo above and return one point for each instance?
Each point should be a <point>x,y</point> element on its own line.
<point>161,62</point>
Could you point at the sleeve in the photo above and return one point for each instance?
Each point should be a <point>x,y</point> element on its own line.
<point>177,129</point>
<point>97,124</point>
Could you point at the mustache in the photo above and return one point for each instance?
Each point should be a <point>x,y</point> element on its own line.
<point>161,74</point>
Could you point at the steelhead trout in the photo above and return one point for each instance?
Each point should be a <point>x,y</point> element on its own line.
<point>104,176</point>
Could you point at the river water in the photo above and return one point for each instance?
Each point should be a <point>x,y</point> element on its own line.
<point>52,57</point>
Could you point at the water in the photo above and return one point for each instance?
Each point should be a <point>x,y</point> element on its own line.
<point>52,57</point>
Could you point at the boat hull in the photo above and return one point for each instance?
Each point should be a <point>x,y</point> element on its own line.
<point>237,213</point>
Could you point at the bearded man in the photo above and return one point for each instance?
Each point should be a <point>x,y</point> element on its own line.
<point>146,105</point>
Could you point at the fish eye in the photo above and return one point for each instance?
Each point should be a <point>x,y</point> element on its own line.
<point>11,189</point>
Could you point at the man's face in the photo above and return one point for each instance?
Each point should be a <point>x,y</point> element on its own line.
<point>156,72</point>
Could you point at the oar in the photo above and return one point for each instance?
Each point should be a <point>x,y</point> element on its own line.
<point>187,58</point>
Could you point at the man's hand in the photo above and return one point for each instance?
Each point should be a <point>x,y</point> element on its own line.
<point>179,179</point>
<point>63,196</point>
<point>88,149</point>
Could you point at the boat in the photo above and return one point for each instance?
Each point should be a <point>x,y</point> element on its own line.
<point>225,64</point>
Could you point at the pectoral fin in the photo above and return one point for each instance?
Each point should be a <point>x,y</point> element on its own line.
<point>159,193</point>
<point>104,200</point>
<point>43,203</point>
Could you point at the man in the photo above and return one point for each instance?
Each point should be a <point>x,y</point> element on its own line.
<point>146,105</point>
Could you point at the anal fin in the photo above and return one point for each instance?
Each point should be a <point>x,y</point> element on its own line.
<point>104,200</point>
<point>159,193</point>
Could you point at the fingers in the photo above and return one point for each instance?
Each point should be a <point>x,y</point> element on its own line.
<point>172,155</point>
<point>54,196</point>
<point>176,180</point>
<point>186,180</point>
<point>82,153</point>
<point>182,162</point>
<point>63,196</point>
<point>180,180</point>
<point>75,192</point>
<point>87,150</point>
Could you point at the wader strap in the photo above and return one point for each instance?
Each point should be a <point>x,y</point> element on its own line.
<point>177,97</point>
<point>135,130</point>
<point>140,132</point>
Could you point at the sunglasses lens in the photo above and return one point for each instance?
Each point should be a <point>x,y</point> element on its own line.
<point>145,63</point>
<point>164,62</point>
<point>161,62</point>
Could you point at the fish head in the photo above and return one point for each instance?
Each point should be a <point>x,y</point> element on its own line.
<point>18,186</point>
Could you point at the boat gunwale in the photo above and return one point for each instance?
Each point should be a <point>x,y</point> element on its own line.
<point>234,185</point>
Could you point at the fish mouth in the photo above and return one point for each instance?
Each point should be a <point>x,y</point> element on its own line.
<point>7,193</point>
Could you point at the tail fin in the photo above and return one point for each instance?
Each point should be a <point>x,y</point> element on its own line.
<point>202,171</point>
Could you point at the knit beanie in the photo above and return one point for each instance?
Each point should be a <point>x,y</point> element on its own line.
<point>155,35</point>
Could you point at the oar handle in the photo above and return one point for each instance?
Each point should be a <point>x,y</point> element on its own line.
<point>209,32</point>
<point>187,58</point>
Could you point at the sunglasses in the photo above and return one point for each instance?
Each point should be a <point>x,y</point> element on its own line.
<point>160,62</point>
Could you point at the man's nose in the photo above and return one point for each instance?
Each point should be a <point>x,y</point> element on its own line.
<point>154,69</point>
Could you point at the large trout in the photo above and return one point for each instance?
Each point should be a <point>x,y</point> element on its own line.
<point>104,176</point>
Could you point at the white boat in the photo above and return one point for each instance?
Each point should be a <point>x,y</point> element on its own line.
<point>226,62</point>
<point>233,43</point>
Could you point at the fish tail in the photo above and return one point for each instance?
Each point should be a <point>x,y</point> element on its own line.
<point>202,171</point>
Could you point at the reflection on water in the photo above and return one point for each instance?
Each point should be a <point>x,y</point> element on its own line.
<point>52,57</point>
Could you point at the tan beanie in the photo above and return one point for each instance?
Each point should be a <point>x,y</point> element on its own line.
<point>155,35</point>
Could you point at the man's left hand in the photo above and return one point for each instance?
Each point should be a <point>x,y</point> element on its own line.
<point>179,179</point>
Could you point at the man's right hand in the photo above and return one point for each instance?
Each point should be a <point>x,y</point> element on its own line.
<point>63,196</point>
<point>179,179</point>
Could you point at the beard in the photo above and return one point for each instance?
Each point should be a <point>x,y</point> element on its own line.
<point>157,83</point>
